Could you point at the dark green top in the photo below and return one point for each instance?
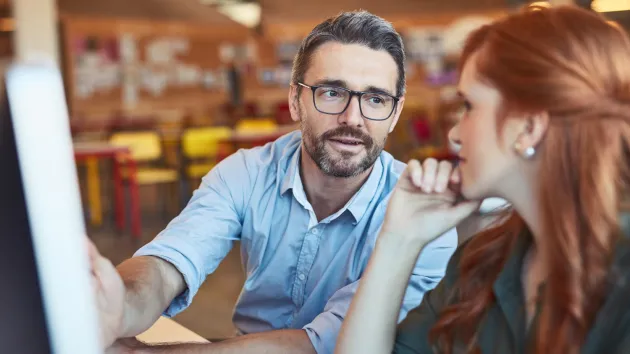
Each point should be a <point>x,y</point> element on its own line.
<point>504,331</point>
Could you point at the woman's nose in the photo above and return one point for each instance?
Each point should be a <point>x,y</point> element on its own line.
<point>453,139</point>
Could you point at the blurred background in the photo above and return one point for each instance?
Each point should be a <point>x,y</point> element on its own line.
<point>159,91</point>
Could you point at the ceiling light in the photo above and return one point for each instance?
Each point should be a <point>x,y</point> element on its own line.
<point>611,5</point>
<point>247,14</point>
<point>540,3</point>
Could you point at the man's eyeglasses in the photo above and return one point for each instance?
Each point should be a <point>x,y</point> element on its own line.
<point>335,100</point>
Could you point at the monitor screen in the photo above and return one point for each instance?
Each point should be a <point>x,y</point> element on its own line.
<point>22,324</point>
<point>46,293</point>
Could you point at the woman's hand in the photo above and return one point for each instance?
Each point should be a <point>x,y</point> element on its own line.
<point>425,203</point>
<point>423,206</point>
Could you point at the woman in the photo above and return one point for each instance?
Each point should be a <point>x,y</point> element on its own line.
<point>547,94</point>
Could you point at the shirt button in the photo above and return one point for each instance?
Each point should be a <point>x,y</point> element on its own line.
<point>302,277</point>
<point>315,231</point>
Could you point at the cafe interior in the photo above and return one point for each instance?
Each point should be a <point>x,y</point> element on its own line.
<point>160,91</point>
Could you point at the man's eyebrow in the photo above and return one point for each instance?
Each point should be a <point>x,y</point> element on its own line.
<point>331,82</point>
<point>374,89</point>
<point>342,83</point>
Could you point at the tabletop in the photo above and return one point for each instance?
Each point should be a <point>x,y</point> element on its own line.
<point>97,148</point>
<point>165,330</point>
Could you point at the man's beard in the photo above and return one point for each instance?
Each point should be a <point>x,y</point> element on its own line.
<point>343,166</point>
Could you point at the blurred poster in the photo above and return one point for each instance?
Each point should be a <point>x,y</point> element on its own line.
<point>135,67</point>
<point>425,45</point>
<point>128,48</point>
<point>97,65</point>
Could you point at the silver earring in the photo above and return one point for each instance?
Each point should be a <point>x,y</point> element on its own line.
<point>526,153</point>
<point>529,152</point>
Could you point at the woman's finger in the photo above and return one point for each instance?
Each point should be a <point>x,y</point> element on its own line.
<point>429,169</point>
<point>414,170</point>
<point>444,171</point>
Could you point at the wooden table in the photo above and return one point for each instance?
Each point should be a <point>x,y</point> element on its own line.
<point>166,330</point>
<point>91,152</point>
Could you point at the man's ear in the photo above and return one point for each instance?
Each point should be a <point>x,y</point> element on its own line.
<point>294,102</point>
<point>396,114</point>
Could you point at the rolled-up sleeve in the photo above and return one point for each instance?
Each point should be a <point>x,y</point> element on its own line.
<point>429,270</point>
<point>324,329</point>
<point>198,239</point>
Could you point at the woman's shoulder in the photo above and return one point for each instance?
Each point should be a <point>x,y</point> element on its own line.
<point>611,330</point>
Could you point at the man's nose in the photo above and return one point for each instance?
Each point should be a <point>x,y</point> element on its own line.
<point>352,115</point>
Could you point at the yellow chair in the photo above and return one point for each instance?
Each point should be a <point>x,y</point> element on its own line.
<point>254,132</point>
<point>256,125</point>
<point>146,149</point>
<point>202,149</point>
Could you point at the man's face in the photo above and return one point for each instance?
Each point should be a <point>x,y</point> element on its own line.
<point>345,144</point>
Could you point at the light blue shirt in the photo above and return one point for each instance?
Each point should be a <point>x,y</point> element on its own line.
<point>300,273</point>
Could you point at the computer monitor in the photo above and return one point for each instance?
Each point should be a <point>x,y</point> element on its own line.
<point>46,291</point>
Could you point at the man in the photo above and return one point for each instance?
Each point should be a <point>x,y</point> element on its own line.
<point>306,209</point>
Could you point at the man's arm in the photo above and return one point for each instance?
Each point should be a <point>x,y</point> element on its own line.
<point>151,285</point>
<point>320,335</point>
<point>164,275</point>
<point>290,341</point>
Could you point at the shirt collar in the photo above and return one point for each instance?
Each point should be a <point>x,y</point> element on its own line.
<point>292,171</point>
<point>358,204</point>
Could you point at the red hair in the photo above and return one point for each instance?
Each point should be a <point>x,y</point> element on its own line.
<point>573,65</point>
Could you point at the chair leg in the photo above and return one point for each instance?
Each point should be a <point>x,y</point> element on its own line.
<point>94,191</point>
<point>134,201</point>
<point>119,197</point>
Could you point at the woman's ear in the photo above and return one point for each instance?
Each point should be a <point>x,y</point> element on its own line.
<point>533,130</point>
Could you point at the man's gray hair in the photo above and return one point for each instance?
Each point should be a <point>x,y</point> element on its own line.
<point>357,27</point>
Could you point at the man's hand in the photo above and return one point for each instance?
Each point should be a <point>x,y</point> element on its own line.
<point>288,341</point>
<point>109,292</point>
<point>125,346</point>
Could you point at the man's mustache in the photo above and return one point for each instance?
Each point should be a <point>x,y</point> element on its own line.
<point>348,131</point>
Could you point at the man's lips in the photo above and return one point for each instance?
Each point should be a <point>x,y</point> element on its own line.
<point>347,140</point>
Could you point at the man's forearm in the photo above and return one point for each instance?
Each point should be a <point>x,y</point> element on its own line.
<point>291,341</point>
<point>151,284</point>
